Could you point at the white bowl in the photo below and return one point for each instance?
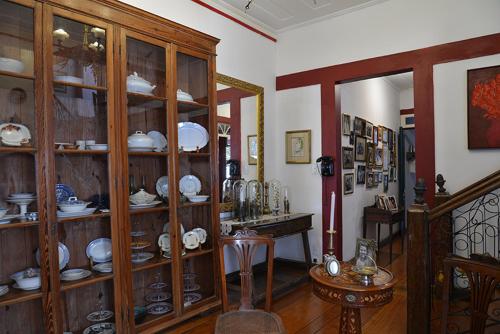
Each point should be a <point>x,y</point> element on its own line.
<point>98,147</point>
<point>20,274</point>
<point>71,273</point>
<point>29,282</point>
<point>198,198</point>
<point>3,212</point>
<point>11,65</point>
<point>22,195</point>
<point>73,205</point>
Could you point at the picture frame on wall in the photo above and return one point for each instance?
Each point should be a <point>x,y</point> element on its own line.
<point>379,157</point>
<point>359,126</point>
<point>483,110</point>
<point>369,130</point>
<point>370,155</point>
<point>348,183</point>
<point>386,158</point>
<point>361,174</point>
<point>385,135</point>
<point>380,133</point>
<point>252,149</point>
<point>351,138</point>
<point>391,174</point>
<point>347,157</point>
<point>360,149</point>
<point>370,179</point>
<point>390,138</point>
<point>386,182</point>
<point>346,124</point>
<point>298,147</point>
<point>375,135</point>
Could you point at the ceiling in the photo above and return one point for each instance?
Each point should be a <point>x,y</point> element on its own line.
<point>401,81</point>
<point>279,15</point>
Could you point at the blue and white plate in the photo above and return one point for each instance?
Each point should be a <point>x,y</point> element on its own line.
<point>63,255</point>
<point>63,192</point>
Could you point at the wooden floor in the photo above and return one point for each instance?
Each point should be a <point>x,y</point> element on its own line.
<point>303,313</point>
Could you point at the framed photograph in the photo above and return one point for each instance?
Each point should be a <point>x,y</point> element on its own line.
<point>347,157</point>
<point>252,149</point>
<point>395,174</point>
<point>370,179</point>
<point>380,133</point>
<point>390,139</point>
<point>394,159</point>
<point>348,183</point>
<point>370,155</point>
<point>369,130</point>
<point>351,138</point>
<point>385,135</point>
<point>298,147</point>
<point>346,124</point>
<point>386,158</point>
<point>359,126</point>
<point>408,121</point>
<point>391,174</point>
<point>393,204</point>
<point>375,135</point>
<point>483,109</point>
<point>364,248</point>
<point>379,157</point>
<point>380,202</point>
<point>361,174</point>
<point>360,149</point>
<point>380,177</point>
<point>386,182</point>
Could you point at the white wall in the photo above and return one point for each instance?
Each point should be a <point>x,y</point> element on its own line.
<point>406,99</point>
<point>459,165</point>
<point>376,101</point>
<point>248,128</point>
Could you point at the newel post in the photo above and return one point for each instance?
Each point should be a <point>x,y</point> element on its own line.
<point>418,265</point>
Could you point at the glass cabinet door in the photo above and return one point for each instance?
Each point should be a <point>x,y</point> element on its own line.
<point>23,285</point>
<point>145,71</point>
<point>195,176</point>
<point>81,140</point>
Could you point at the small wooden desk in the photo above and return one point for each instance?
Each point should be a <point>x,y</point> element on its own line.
<point>378,216</point>
<point>347,291</point>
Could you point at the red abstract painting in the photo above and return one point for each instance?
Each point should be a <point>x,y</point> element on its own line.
<point>483,112</point>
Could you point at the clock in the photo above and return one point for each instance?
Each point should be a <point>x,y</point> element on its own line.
<point>332,265</point>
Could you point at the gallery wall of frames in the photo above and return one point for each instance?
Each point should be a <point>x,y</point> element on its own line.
<point>108,147</point>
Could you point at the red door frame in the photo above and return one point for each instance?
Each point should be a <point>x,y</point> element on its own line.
<point>421,62</point>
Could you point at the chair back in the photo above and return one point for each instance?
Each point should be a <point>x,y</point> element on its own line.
<point>483,277</point>
<point>245,243</point>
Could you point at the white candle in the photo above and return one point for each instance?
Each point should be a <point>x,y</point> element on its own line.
<point>332,212</point>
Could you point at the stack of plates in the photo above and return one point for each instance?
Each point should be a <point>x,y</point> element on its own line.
<point>4,289</point>
<point>105,268</point>
<point>145,206</point>
<point>74,274</point>
<point>8,218</point>
<point>21,198</point>
<point>84,212</point>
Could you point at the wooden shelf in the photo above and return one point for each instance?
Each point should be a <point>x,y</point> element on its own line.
<point>194,154</point>
<point>145,101</point>
<point>81,152</point>
<point>19,224</point>
<point>92,279</point>
<point>17,75</point>
<point>157,261</point>
<point>160,208</point>
<point>87,217</point>
<point>190,204</point>
<point>187,106</point>
<point>16,149</point>
<point>154,319</point>
<point>191,254</point>
<point>148,154</point>
<point>15,296</point>
<point>76,85</point>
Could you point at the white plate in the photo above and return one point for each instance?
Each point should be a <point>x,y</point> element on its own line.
<point>157,297</point>
<point>159,308</point>
<point>100,250</point>
<point>13,134</point>
<point>164,242</point>
<point>141,257</point>
<point>191,297</point>
<point>106,267</point>
<point>98,147</point>
<point>99,316</point>
<point>8,218</point>
<point>144,206</point>
<point>22,195</point>
<point>85,212</point>
<point>103,327</point>
<point>63,255</point>
<point>166,228</point>
<point>191,136</point>
<point>84,274</point>
<point>141,149</point>
<point>162,186</point>
<point>189,184</point>
<point>202,234</point>
<point>15,286</point>
<point>191,240</point>
<point>160,142</point>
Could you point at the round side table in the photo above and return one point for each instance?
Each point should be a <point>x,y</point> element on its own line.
<point>347,291</point>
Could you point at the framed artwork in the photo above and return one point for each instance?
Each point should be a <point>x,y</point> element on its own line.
<point>370,155</point>
<point>369,130</point>
<point>375,135</point>
<point>393,204</point>
<point>351,138</point>
<point>252,149</point>
<point>347,157</point>
<point>379,157</point>
<point>380,202</point>
<point>361,174</point>
<point>375,179</point>
<point>359,126</point>
<point>346,124</point>
<point>391,174</point>
<point>364,248</point>
<point>394,159</point>
<point>298,147</point>
<point>360,149</point>
<point>483,108</point>
<point>386,158</point>
<point>390,139</point>
<point>370,179</point>
<point>380,178</point>
<point>348,183</point>
<point>380,132</point>
<point>386,182</point>
<point>385,135</point>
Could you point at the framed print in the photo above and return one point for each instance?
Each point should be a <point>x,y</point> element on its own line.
<point>380,202</point>
<point>351,138</point>
<point>252,149</point>
<point>346,124</point>
<point>375,135</point>
<point>385,135</point>
<point>408,121</point>
<point>370,179</point>
<point>361,174</point>
<point>364,248</point>
<point>483,108</point>
<point>347,158</point>
<point>380,176</point>
<point>379,157</point>
<point>390,138</point>
<point>360,149</point>
<point>359,126</point>
<point>380,132</point>
<point>386,182</point>
<point>369,130</point>
<point>393,204</point>
<point>386,158</point>
<point>391,174</point>
<point>298,147</point>
<point>348,183</point>
<point>370,155</point>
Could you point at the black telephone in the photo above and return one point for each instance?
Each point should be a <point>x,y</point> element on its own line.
<point>325,165</point>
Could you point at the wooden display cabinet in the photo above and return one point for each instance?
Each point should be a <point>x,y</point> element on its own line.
<point>76,58</point>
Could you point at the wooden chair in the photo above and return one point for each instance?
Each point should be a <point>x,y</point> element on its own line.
<point>247,320</point>
<point>483,277</point>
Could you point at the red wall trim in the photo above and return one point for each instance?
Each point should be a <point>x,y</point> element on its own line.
<point>407,111</point>
<point>232,18</point>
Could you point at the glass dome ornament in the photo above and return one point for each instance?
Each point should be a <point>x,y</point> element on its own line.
<point>275,196</point>
<point>240,200</point>
<point>255,199</point>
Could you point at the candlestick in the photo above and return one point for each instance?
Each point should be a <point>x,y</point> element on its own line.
<point>332,212</point>
<point>331,247</point>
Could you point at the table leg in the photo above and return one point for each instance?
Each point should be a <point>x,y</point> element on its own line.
<point>307,249</point>
<point>350,321</point>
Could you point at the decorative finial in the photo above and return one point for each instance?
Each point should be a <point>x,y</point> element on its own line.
<point>420,189</point>
<point>440,181</point>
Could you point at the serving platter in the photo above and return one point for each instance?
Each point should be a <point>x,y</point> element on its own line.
<point>189,184</point>
<point>159,141</point>
<point>191,136</point>
<point>100,250</point>
<point>85,212</point>
<point>75,274</point>
<point>13,134</point>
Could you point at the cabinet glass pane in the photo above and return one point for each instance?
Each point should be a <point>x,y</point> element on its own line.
<point>198,279</point>
<point>16,39</point>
